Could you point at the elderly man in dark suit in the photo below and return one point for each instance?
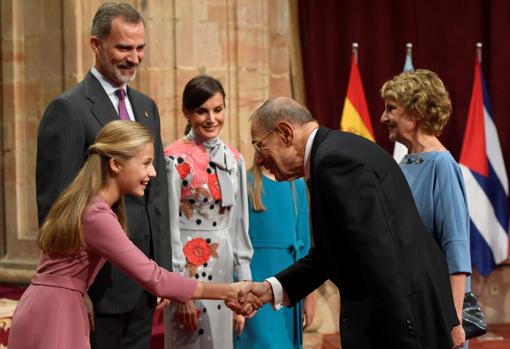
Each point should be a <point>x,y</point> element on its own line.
<point>369,239</point>
<point>122,309</point>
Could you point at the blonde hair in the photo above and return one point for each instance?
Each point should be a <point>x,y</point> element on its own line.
<point>255,190</point>
<point>422,92</point>
<point>62,231</point>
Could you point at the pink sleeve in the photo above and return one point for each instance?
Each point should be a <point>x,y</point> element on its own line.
<point>104,235</point>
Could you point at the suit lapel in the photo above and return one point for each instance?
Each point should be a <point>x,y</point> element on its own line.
<point>102,107</point>
<point>319,138</point>
<point>142,110</point>
<point>321,134</point>
<point>315,202</point>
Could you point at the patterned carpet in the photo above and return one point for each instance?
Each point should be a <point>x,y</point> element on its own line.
<point>497,338</point>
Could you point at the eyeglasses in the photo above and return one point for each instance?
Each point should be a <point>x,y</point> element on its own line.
<point>259,144</point>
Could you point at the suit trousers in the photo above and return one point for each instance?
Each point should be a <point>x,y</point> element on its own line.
<point>131,330</point>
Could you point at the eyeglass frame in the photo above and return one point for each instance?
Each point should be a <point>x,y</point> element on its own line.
<point>257,144</point>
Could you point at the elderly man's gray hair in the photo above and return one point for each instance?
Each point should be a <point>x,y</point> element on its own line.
<point>277,109</point>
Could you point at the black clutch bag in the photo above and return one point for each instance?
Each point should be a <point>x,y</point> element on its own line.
<point>473,320</point>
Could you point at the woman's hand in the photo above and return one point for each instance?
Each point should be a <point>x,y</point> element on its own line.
<point>458,284</point>
<point>309,309</point>
<point>458,337</point>
<point>186,316</point>
<point>90,311</point>
<point>239,322</point>
<point>161,303</point>
<point>241,299</point>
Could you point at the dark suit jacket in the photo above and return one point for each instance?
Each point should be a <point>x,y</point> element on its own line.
<point>370,241</point>
<point>69,125</point>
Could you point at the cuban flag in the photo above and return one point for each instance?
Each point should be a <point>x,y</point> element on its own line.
<point>486,181</point>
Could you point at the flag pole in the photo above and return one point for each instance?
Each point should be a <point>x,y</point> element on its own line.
<point>409,49</point>
<point>479,52</point>
<point>408,63</point>
<point>355,51</point>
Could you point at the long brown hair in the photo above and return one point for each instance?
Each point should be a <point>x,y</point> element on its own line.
<point>255,191</point>
<point>62,231</point>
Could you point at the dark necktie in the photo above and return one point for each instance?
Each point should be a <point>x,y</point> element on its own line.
<point>121,95</point>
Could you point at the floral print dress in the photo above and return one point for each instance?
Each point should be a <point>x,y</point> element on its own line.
<point>210,242</point>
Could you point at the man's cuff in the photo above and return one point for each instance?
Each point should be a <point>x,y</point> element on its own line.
<point>277,292</point>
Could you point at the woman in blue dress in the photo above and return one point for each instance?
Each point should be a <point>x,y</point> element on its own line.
<point>280,234</point>
<point>417,107</point>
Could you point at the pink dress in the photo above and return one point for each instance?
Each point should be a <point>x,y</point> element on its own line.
<point>51,312</point>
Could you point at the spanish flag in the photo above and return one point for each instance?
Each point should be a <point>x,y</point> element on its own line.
<point>355,116</point>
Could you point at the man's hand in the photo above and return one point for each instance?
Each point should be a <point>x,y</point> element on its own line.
<point>249,297</point>
<point>241,300</point>
<point>263,291</point>
<point>90,311</point>
<point>309,309</point>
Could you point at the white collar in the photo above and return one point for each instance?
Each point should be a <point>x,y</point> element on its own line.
<point>109,88</point>
<point>308,149</point>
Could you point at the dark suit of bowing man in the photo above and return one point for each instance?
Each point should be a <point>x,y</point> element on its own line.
<point>123,310</point>
<point>369,238</point>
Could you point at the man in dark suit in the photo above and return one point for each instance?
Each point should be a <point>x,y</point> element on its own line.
<point>369,238</point>
<point>122,309</point>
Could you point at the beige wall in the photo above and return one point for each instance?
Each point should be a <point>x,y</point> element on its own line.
<point>493,294</point>
<point>45,50</point>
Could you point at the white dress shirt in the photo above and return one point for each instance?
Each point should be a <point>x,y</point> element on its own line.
<point>280,296</point>
<point>110,91</point>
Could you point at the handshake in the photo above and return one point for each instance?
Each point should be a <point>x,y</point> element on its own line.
<point>246,297</point>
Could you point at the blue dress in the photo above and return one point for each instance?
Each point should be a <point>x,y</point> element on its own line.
<point>438,190</point>
<point>280,235</point>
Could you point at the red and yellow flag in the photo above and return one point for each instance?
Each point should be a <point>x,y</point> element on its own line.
<point>355,116</point>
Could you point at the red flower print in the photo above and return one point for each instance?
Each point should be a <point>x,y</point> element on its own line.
<point>183,169</point>
<point>195,155</point>
<point>197,251</point>
<point>167,151</point>
<point>214,186</point>
<point>185,192</point>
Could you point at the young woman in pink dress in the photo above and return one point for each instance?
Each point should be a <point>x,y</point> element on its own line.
<point>85,227</point>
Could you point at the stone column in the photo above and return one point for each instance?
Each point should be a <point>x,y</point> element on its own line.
<point>31,72</point>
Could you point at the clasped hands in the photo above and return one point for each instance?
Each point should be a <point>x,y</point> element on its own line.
<point>246,297</point>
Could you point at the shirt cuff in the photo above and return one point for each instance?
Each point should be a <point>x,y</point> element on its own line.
<point>458,257</point>
<point>243,272</point>
<point>277,293</point>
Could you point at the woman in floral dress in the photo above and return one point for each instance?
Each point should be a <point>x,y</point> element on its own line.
<point>208,218</point>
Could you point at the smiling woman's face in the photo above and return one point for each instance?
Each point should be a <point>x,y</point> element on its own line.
<point>401,124</point>
<point>207,120</point>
